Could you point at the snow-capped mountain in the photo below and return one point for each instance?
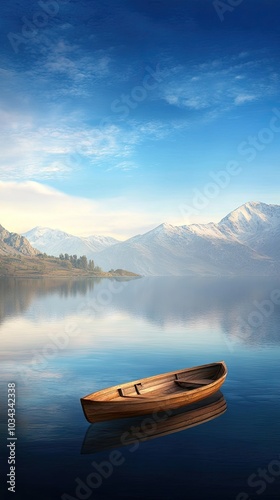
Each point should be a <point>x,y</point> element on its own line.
<point>245,242</point>
<point>250,220</point>
<point>54,242</point>
<point>242,243</point>
<point>257,225</point>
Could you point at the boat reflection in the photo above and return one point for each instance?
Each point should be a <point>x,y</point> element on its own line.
<point>114,434</point>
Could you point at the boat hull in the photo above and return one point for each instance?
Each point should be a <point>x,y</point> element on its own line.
<point>161,393</point>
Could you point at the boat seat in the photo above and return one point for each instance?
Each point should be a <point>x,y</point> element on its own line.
<point>136,387</point>
<point>190,382</point>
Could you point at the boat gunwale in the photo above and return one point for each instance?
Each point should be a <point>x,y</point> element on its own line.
<point>88,399</point>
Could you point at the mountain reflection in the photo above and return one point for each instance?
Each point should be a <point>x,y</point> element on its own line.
<point>16,295</point>
<point>245,310</point>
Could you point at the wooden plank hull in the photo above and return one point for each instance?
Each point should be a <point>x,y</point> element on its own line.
<point>118,433</point>
<point>163,392</point>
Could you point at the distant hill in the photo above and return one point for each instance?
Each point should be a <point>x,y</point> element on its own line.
<point>14,244</point>
<point>54,242</point>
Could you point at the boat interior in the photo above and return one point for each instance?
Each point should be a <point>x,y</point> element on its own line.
<point>162,385</point>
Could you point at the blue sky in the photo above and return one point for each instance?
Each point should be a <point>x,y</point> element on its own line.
<point>118,115</point>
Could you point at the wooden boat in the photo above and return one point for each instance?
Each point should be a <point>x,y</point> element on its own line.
<point>126,432</point>
<point>153,394</point>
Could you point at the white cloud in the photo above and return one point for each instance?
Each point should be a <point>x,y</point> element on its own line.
<point>24,205</point>
<point>195,103</point>
<point>172,99</point>
<point>242,98</point>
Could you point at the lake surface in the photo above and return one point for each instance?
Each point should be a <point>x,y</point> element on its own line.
<point>61,340</point>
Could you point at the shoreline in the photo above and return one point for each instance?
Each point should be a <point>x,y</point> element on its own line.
<point>77,276</point>
<point>74,276</point>
<point>21,266</point>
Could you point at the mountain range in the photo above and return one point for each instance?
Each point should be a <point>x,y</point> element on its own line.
<point>245,242</point>
<point>54,242</point>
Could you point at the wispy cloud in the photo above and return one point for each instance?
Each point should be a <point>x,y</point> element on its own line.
<point>221,84</point>
<point>69,62</point>
<point>242,98</point>
<point>36,147</point>
<point>32,149</point>
<point>156,129</point>
<point>125,166</point>
<point>71,70</point>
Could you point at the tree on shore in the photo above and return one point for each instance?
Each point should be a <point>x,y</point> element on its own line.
<point>80,262</point>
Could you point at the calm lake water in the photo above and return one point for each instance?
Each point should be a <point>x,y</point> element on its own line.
<point>61,340</point>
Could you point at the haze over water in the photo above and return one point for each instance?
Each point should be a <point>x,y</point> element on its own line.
<point>61,340</point>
